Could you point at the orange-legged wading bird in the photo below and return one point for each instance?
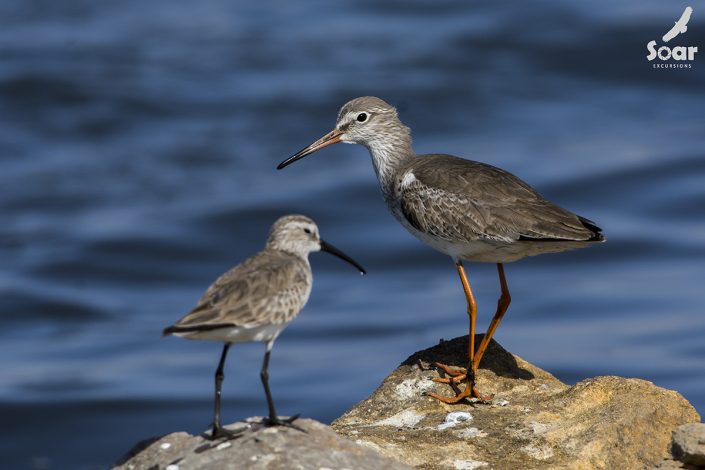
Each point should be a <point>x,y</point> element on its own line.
<point>469,210</point>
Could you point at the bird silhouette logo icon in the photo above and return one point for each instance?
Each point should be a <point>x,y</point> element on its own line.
<point>678,57</point>
<point>681,25</point>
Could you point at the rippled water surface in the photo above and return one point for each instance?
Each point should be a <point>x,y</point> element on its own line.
<point>138,145</point>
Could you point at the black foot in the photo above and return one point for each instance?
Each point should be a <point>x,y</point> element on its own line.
<point>219,432</point>
<point>277,421</point>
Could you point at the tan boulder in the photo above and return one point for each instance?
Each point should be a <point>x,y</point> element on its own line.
<point>534,420</point>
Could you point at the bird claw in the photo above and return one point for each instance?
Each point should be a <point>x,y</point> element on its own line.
<point>288,422</point>
<point>219,432</point>
<point>451,400</point>
<point>457,375</point>
<point>448,380</point>
<point>469,392</point>
<point>452,371</point>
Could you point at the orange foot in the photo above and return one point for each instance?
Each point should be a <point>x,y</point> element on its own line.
<point>457,375</point>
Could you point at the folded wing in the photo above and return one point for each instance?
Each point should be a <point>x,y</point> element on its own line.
<point>253,293</point>
<point>469,201</point>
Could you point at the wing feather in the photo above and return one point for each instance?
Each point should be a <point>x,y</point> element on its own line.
<point>270,287</point>
<point>467,201</point>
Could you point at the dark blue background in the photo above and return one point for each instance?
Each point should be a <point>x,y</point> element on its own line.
<point>138,142</point>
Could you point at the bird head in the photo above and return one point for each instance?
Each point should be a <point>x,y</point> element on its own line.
<point>299,235</point>
<point>367,120</point>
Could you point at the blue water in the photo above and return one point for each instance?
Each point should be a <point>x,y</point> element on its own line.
<point>138,145</point>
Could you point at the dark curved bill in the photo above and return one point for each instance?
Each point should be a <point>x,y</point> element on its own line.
<point>327,247</point>
<point>333,137</point>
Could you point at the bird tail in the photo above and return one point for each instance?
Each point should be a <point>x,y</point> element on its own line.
<point>596,231</point>
<point>170,330</point>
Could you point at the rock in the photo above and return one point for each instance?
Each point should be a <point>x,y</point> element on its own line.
<point>258,447</point>
<point>669,464</point>
<point>689,444</point>
<point>534,421</point>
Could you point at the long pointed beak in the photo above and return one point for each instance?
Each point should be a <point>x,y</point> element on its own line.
<point>327,247</point>
<point>333,137</point>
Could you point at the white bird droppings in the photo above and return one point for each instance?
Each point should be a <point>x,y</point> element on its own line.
<point>406,418</point>
<point>224,445</point>
<point>468,464</point>
<point>165,445</point>
<point>454,418</point>
<point>411,388</point>
<point>172,467</point>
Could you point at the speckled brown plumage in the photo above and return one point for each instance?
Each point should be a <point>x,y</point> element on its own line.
<point>255,300</point>
<point>269,288</point>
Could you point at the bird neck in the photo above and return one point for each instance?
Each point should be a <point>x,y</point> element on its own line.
<point>389,153</point>
<point>289,247</point>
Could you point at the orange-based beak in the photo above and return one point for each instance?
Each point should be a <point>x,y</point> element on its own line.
<point>333,137</point>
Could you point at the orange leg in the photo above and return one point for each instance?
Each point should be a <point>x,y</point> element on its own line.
<point>502,306</point>
<point>457,374</point>
<point>472,310</point>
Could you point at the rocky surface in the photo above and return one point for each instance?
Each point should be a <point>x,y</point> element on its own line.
<point>689,444</point>
<point>687,448</point>
<point>534,420</point>
<point>258,447</point>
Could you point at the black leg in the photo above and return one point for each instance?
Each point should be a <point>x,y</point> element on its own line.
<point>218,430</point>
<point>273,419</point>
<point>264,375</point>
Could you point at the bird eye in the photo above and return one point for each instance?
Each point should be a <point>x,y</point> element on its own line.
<point>307,230</point>
<point>362,117</point>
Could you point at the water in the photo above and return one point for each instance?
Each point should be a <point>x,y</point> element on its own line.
<point>138,145</point>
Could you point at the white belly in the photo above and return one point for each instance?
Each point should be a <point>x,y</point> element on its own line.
<point>237,334</point>
<point>490,251</point>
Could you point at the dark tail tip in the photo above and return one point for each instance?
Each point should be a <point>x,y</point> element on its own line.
<point>597,235</point>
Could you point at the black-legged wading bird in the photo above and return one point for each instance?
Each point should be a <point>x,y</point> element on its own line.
<point>257,299</point>
<point>469,210</point>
